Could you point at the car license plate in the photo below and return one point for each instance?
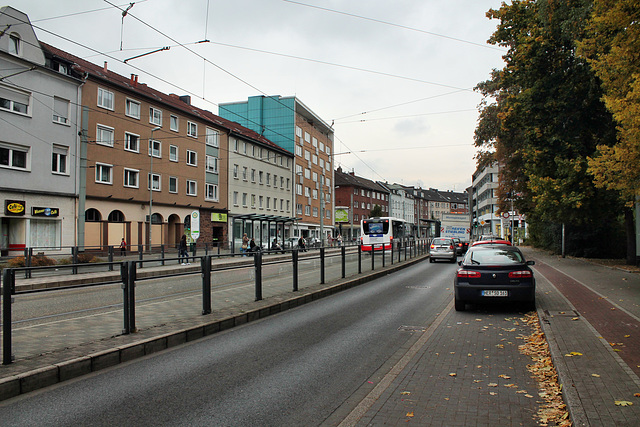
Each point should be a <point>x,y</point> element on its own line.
<point>495,293</point>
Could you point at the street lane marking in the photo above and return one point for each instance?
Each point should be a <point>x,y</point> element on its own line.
<point>366,403</point>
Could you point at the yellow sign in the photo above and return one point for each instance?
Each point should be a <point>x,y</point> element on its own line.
<point>218,217</point>
<point>14,207</point>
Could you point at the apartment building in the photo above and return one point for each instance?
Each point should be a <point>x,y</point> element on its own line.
<point>39,122</point>
<point>260,188</point>
<point>355,198</point>
<point>484,201</point>
<point>291,125</point>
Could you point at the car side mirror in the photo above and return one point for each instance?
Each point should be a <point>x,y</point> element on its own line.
<point>460,263</point>
<point>531,263</point>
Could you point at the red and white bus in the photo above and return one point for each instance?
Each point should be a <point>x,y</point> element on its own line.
<point>374,232</point>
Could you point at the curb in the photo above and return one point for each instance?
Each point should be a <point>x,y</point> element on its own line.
<point>73,368</point>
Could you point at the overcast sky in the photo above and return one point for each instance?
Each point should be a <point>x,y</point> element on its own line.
<point>395,77</point>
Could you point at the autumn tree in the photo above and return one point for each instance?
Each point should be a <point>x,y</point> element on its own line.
<point>542,118</point>
<point>612,46</point>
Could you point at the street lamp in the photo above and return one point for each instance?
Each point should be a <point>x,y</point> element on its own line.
<point>151,181</point>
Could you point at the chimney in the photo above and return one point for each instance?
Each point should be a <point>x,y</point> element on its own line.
<point>105,69</point>
<point>134,80</point>
<point>186,99</point>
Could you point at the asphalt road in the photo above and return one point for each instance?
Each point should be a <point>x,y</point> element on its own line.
<point>295,368</point>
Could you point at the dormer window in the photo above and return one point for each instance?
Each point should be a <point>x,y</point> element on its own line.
<point>14,45</point>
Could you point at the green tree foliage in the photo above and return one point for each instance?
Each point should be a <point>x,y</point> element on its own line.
<point>376,211</point>
<point>542,117</point>
<point>612,47</point>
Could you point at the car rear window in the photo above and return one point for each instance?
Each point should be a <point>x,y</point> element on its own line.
<point>442,241</point>
<point>495,257</point>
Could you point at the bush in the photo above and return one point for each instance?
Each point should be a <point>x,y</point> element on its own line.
<point>36,261</point>
<point>87,258</point>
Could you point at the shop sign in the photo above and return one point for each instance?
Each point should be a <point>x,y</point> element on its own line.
<point>14,207</point>
<point>37,211</point>
<point>195,225</point>
<point>342,214</point>
<point>218,217</point>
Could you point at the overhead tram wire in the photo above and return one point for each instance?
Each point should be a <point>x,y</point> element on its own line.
<point>379,21</point>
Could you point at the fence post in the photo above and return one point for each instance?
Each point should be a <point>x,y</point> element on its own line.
<point>206,249</point>
<point>322,265</point>
<point>257,261</point>
<point>28,253</point>
<point>205,263</point>
<point>359,259</point>
<point>294,259</point>
<point>110,257</point>
<point>74,259</point>
<point>140,247</point>
<point>8,287</point>
<point>132,296</point>
<point>383,254</point>
<point>343,252</point>
<point>124,275</point>
<point>373,257</point>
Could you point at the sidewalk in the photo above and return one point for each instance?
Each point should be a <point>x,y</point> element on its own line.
<point>467,370</point>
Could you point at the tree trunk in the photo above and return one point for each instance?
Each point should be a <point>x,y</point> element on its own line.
<point>631,236</point>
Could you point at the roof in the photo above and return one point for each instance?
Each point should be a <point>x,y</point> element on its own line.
<point>131,85</point>
<point>351,180</point>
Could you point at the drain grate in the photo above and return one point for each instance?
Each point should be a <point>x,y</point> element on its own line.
<point>412,328</point>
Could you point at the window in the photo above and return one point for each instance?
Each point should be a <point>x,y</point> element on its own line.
<point>261,202</point>
<point>235,171</point>
<point>154,179</point>
<point>60,110</point>
<point>315,177</point>
<point>173,184</point>
<point>307,210</point>
<point>288,182</point>
<point>315,212</point>
<point>173,123</point>
<point>212,164</point>
<point>131,177</point>
<point>192,188</point>
<point>105,99</point>
<point>314,159</point>
<point>298,209</point>
<point>104,135</point>
<point>307,137</point>
<point>315,194</point>
<point>59,159</point>
<point>282,182</point>
<point>192,158</point>
<point>14,101</point>
<point>260,176</point>
<point>173,153</point>
<point>155,116</point>
<point>307,173</point>
<point>211,192</point>
<point>131,142</point>
<point>192,129</point>
<point>14,45</point>
<point>275,181</point>
<point>155,148</point>
<point>307,155</point>
<point>13,157</point>
<point>298,151</point>
<point>211,137</point>
<point>244,199</point>
<point>268,178</point>
<point>253,175</point>
<point>132,108</point>
<point>234,145</point>
<point>299,189</point>
<point>253,201</point>
<point>268,203</point>
<point>314,141</point>
<point>307,192</point>
<point>103,173</point>
<point>245,173</point>
<point>298,132</point>
<point>235,198</point>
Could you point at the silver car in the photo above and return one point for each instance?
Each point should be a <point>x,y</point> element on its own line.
<point>443,248</point>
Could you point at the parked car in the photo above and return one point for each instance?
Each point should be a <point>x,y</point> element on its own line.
<point>443,248</point>
<point>494,274</point>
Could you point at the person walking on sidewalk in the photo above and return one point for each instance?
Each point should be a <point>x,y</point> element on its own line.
<point>123,247</point>
<point>183,255</point>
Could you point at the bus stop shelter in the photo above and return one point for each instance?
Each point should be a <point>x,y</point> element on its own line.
<point>279,221</point>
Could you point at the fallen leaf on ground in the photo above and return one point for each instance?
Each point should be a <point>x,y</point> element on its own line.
<point>406,392</point>
<point>623,403</point>
<point>506,377</point>
<point>492,385</point>
<point>409,414</point>
<point>452,374</point>
<point>595,375</point>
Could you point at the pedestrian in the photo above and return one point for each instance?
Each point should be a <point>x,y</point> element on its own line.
<point>301,244</point>
<point>245,244</point>
<point>183,255</point>
<point>339,239</point>
<point>252,245</point>
<point>123,247</point>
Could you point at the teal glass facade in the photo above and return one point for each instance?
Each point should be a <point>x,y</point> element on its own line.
<point>271,116</point>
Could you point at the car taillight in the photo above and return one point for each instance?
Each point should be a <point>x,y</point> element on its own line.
<point>468,274</point>
<point>433,246</point>
<point>520,274</point>
<point>451,247</point>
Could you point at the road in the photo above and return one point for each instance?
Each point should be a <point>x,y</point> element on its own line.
<point>294,368</point>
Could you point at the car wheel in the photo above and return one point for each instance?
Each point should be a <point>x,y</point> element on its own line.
<point>459,305</point>
<point>453,260</point>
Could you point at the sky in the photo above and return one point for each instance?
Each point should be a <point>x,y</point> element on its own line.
<point>395,78</point>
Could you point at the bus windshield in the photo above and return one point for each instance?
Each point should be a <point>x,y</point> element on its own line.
<point>378,227</point>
